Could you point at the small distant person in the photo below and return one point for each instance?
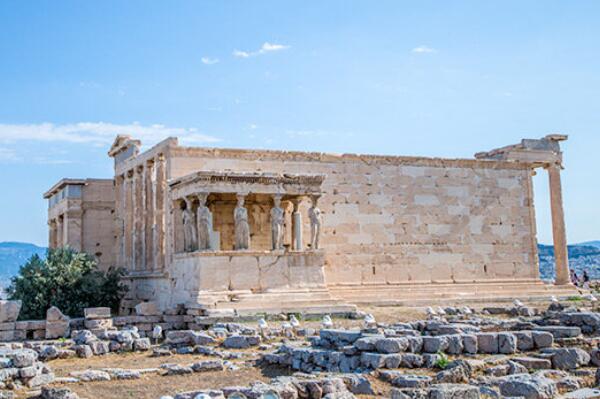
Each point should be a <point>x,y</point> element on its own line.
<point>586,279</point>
<point>574,278</point>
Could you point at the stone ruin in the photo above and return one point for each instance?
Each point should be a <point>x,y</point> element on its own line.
<point>229,231</point>
<point>456,352</point>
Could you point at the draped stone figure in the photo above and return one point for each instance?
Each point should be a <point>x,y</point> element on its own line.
<point>277,224</point>
<point>242,228</point>
<point>204,219</point>
<point>316,222</point>
<point>189,228</point>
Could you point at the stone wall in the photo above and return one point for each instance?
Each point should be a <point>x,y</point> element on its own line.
<point>402,219</point>
<point>98,222</point>
<point>84,221</point>
<point>231,272</point>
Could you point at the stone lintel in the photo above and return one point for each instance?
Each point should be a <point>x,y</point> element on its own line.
<point>244,183</point>
<point>535,152</point>
<point>251,253</point>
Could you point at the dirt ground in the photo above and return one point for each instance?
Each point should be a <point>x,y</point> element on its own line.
<point>153,386</point>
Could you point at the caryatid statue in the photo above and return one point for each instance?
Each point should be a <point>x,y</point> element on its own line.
<point>204,219</point>
<point>242,228</point>
<point>316,222</point>
<point>277,223</point>
<point>189,227</point>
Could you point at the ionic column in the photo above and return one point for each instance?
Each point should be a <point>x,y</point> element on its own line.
<point>297,225</point>
<point>138,218</point>
<point>128,219</point>
<point>119,219</point>
<point>158,231</point>
<point>149,215</point>
<point>558,226</point>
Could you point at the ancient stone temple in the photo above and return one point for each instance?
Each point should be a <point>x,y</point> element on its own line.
<point>284,231</point>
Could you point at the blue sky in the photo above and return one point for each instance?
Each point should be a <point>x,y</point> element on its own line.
<point>409,78</point>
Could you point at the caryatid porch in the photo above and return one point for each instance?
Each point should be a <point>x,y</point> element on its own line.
<point>237,234</point>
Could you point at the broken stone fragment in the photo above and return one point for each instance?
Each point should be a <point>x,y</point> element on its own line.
<point>9,311</point>
<point>528,386</point>
<point>147,309</point>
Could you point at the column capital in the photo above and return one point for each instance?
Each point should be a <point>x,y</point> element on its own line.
<point>202,196</point>
<point>296,203</point>
<point>556,165</point>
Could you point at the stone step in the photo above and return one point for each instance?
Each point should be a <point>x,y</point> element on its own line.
<point>424,294</point>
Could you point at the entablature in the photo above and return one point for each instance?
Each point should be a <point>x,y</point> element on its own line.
<point>245,183</point>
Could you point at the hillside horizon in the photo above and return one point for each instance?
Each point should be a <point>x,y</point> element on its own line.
<point>582,256</point>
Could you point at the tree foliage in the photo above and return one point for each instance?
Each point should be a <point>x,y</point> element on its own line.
<point>66,279</point>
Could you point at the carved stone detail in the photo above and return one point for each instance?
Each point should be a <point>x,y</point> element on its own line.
<point>205,223</point>
<point>189,228</point>
<point>242,227</point>
<point>316,223</point>
<point>277,224</point>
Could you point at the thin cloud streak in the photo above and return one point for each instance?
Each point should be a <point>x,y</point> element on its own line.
<point>423,50</point>
<point>96,133</point>
<point>209,60</point>
<point>264,49</point>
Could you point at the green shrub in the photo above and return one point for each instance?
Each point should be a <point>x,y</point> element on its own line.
<point>442,362</point>
<point>68,280</point>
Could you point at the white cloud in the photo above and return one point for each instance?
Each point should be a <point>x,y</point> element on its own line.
<point>265,48</point>
<point>240,54</point>
<point>8,155</point>
<point>209,60</point>
<point>423,49</point>
<point>98,133</point>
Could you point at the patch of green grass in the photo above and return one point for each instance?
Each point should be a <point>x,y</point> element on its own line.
<point>575,298</point>
<point>442,362</point>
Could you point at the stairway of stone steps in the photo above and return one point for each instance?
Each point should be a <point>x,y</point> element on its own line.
<point>433,293</point>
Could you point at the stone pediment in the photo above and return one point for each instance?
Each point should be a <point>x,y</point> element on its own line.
<point>124,143</point>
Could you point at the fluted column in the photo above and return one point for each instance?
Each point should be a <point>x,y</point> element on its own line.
<point>149,223</point>
<point>128,219</point>
<point>138,223</point>
<point>558,225</point>
<point>120,220</point>
<point>159,212</point>
<point>297,225</point>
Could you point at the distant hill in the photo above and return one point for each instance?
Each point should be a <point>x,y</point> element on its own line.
<point>581,256</point>
<point>13,255</point>
<point>584,256</point>
<point>591,244</point>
